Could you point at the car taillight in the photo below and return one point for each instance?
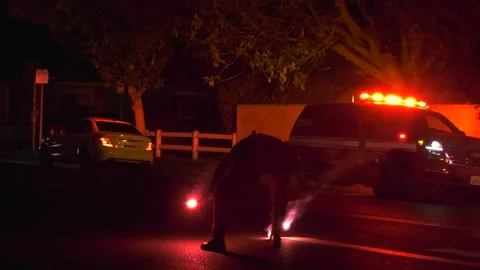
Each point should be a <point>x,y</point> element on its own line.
<point>149,146</point>
<point>106,142</point>
<point>402,136</point>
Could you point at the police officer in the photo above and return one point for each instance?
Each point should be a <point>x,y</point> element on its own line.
<point>249,159</point>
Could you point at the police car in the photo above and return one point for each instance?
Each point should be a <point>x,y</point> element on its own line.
<point>395,145</point>
<point>96,139</point>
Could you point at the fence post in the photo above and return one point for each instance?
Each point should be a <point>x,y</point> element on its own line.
<point>195,145</point>
<point>158,143</point>
<point>234,139</point>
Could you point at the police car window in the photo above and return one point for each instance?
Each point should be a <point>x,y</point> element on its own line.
<point>385,122</point>
<point>327,120</point>
<point>436,124</point>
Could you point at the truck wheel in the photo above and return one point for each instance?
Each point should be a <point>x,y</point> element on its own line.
<point>381,191</point>
<point>394,182</point>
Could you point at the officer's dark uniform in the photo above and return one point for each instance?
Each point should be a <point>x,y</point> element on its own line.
<point>249,159</point>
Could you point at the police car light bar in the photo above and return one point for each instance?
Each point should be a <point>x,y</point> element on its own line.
<point>379,98</point>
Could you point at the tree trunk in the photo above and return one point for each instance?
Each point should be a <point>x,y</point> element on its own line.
<point>137,107</point>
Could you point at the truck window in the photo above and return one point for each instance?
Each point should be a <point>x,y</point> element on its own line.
<point>386,122</point>
<point>327,120</point>
<point>436,124</point>
<point>439,123</point>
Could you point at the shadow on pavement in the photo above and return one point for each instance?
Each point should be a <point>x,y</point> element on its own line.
<point>257,261</point>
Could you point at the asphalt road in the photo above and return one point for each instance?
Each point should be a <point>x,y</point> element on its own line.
<point>126,217</point>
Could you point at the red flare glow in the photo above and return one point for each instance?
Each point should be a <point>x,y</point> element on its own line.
<point>192,203</point>
<point>286,225</point>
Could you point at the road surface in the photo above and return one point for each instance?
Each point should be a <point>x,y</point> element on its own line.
<point>134,218</point>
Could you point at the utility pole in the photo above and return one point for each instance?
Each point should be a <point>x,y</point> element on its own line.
<point>7,105</point>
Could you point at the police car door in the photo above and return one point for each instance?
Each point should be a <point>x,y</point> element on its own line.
<point>386,127</point>
<point>444,137</point>
<point>324,136</point>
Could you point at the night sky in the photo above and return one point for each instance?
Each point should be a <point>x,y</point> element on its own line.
<point>23,41</point>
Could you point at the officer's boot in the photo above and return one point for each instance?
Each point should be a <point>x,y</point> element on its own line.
<point>217,243</point>
<point>276,241</point>
<point>276,234</point>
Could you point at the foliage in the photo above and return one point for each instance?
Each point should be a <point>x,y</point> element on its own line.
<point>408,45</point>
<point>127,41</point>
<point>271,38</point>
<point>405,46</point>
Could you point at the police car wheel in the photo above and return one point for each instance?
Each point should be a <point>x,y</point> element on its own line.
<point>394,182</point>
<point>381,191</point>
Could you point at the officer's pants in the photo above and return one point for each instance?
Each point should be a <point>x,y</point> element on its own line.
<point>224,194</point>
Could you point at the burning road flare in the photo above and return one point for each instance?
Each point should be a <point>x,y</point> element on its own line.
<point>294,212</point>
<point>269,231</point>
<point>191,203</point>
<point>285,226</point>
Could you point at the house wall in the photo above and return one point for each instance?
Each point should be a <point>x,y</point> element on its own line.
<point>181,109</point>
<point>66,99</point>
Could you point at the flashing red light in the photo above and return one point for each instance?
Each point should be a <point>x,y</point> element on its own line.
<point>379,98</point>
<point>191,203</point>
<point>364,96</point>
<point>402,136</point>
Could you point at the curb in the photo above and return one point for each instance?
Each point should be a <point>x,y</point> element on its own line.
<point>166,166</point>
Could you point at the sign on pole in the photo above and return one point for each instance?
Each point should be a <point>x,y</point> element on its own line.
<point>41,76</point>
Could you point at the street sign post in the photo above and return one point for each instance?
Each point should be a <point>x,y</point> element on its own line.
<point>41,77</point>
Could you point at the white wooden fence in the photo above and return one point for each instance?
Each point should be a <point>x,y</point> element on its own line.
<point>194,147</point>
